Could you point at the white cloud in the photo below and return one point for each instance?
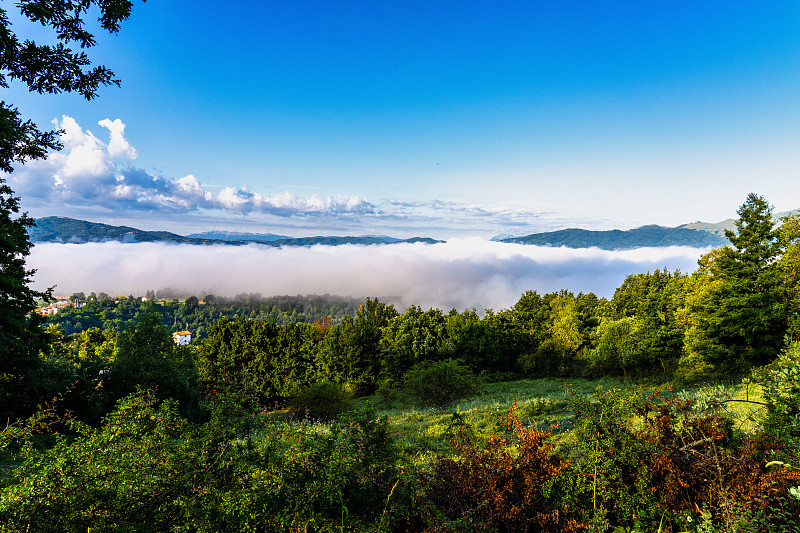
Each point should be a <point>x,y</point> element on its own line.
<point>118,146</point>
<point>90,173</point>
<point>461,273</point>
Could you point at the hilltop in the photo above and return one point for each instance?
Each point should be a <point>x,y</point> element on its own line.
<point>695,234</point>
<point>718,228</point>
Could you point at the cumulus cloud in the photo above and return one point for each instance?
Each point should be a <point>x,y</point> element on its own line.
<point>461,273</point>
<point>89,172</point>
<point>118,146</point>
<point>288,203</point>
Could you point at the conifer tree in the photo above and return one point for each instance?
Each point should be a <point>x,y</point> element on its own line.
<point>745,312</point>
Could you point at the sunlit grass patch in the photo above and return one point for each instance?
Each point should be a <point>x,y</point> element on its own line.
<point>425,432</point>
<point>743,403</point>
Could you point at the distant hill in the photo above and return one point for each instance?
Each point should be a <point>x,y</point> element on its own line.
<point>718,228</point>
<point>231,236</point>
<point>63,229</point>
<point>646,236</point>
<point>336,241</point>
<point>282,240</point>
<point>695,234</point>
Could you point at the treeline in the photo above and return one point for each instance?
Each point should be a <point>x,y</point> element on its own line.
<point>727,317</point>
<point>197,315</point>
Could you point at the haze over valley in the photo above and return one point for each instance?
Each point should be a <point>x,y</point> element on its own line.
<point>461,273</point>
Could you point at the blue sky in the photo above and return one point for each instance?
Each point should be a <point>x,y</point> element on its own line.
<point>421,118</point>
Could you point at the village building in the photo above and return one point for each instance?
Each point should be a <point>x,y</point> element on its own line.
<point>55,307</point>
<point>182,338</point>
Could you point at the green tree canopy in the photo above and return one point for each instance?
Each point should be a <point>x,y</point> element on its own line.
<point>741,319</point>
<point>146,357</point>
<point>645,307</point>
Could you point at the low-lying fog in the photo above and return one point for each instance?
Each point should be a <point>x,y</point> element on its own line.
<point>461,273</point>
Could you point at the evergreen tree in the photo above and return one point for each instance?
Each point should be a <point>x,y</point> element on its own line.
<point>744,316</point>
<point>146,357</point>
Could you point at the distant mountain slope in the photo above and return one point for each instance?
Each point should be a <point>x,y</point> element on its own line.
<point>696,234</point>
<point>63,229</point>
<point>718,228</point>
<point>646,236</point>
<point>336,241</point>
<point>232,236</point>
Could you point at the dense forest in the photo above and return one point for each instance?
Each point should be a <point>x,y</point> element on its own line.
<point>268,420</point>
<point>725,318</point>
<point>194,314</point>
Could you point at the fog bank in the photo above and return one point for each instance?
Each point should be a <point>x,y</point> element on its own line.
<point>461,273</point>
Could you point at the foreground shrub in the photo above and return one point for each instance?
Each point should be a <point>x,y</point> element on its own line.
<point>657,464</point>
<point>610,483</point>
<point>146,469</point>
<point>439,383</point>
<point>298,479</point>
<point>781,381</point>
<point>128,473</point>
<point>510,485</point>
<point>322,401</point>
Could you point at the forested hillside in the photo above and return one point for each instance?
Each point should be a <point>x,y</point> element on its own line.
<point>644,236</point>
<point>64,229</point>
<point>699,235</point>
<point>320,414</point>
<point>728,316</point>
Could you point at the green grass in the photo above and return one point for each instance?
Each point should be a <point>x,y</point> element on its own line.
<point>424,433</point>
<point>740,402</point>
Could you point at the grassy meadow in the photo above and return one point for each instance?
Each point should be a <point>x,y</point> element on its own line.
<point>423,433</point>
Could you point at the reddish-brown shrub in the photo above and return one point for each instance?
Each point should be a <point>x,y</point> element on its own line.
<point>698,465</point>
<point>506,486</point>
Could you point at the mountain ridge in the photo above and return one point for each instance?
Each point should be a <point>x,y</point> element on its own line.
<point>71,230</point>
<point>718,228</point>
<point>642,237</point>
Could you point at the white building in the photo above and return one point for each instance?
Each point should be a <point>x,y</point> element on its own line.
<point>182,338</point>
